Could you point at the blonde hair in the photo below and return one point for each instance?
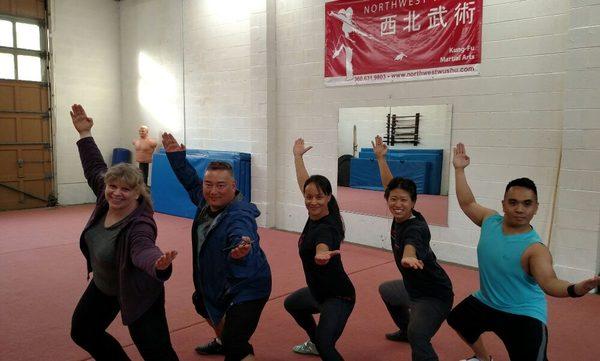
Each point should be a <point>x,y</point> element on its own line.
<point>131,176</point>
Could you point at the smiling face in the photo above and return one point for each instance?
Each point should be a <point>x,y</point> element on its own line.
<point>316,201</point>
<point>218,188</point>
<point>520,205</point>
<point>400,204</point>
<point>120,196</point>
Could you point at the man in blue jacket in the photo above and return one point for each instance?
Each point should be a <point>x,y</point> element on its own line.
<point>232,278</point>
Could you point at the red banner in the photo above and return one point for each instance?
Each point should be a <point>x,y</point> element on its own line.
<point>370,41</point>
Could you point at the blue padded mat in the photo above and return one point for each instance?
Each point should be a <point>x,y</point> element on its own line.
<point>168,194</point>
<point>364,173</point>
<point>435,156</point>
<point>242,174</point>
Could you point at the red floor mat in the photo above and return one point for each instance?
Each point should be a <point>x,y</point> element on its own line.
<point>43,276</point>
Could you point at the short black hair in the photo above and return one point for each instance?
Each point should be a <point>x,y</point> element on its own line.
<point>220,165</point>
<point>522,182</point>
<point>404,184</point>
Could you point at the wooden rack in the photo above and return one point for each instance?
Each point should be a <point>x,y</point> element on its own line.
<point>402,129</point>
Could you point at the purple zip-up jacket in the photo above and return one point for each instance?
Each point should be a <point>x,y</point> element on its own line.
<point>139,282</point>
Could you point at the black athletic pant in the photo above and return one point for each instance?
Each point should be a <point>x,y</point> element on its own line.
<point>419,318</point>
<point>240,323</point>
<point>144,167</point>
<point>525,338</point>
<point>96,311</point>
<point>334,313</point>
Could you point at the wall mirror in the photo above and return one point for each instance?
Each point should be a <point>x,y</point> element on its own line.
<point>418,140</point>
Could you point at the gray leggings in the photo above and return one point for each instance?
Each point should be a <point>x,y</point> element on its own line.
<point>419,318</point>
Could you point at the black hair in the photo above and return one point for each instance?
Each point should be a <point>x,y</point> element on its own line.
<point>404,184</point>
<point>522,182</point>
<point>219,165</point>
<point>323,184</point>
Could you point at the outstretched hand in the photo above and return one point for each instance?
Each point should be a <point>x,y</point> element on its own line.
<point>170,143</point>
<point>322,258</point>
<point>461,159</point>
<point>165,260</point>
<point>379,148</point>
<point>583,287</point>
<point>82,123</point>
<point>412,262</point>
<point>299,148</point>
<point>242,249</point>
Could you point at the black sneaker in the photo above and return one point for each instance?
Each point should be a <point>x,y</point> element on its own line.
<point>398,336</point>
<point>211,348</point>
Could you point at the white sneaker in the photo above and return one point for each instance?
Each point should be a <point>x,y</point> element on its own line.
<point>307,348</point>
<point>475,358</point>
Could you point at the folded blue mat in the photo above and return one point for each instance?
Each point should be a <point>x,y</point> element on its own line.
<point>434,156</point>
<point>364,173</point>
<point>168,194</point>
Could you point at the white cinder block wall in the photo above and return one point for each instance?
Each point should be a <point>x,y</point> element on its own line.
<point>510,116</point>
<point>151,54</point>
<point>253,80</point>
<point>85,65</point>
<point>229,86</point>
<point>577,222</point>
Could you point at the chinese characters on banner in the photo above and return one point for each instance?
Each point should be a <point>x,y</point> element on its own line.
<point>378,41</point>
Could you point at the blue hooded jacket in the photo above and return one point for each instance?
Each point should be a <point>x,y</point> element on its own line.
<point>220,280</point>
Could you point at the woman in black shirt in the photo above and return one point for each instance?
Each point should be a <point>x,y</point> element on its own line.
<point>330,292</point>
<point>425,288</point>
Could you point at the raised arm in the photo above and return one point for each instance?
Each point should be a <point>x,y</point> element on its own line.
<point>540,267</point>
<point>476,212</point>
<point>185,173</point>
<point>301,172</point>
<point>380,150</point>
<point>92,162</point>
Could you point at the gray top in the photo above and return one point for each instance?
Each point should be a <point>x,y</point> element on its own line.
<point>101,242</point>
<point>204,225</point>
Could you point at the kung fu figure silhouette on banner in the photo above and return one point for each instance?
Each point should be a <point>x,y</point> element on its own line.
<point>370,42</point>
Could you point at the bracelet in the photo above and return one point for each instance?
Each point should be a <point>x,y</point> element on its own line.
<point>571,292</point>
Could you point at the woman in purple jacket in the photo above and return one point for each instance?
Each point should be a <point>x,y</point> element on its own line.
<point>118,243</point>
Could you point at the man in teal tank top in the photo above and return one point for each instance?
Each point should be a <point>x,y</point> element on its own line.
<point>515,273</point>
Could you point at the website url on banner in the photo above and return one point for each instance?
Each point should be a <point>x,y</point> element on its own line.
<point>433,72</point>
<point>409,75</point>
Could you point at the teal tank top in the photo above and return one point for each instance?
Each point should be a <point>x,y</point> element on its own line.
<point>504,284</point>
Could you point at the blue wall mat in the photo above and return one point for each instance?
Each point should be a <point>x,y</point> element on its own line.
<point>242,174</point>
<point>171,198</point>
<point>121,155</point>
<point>364,173</point>
<point>435,156</point>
